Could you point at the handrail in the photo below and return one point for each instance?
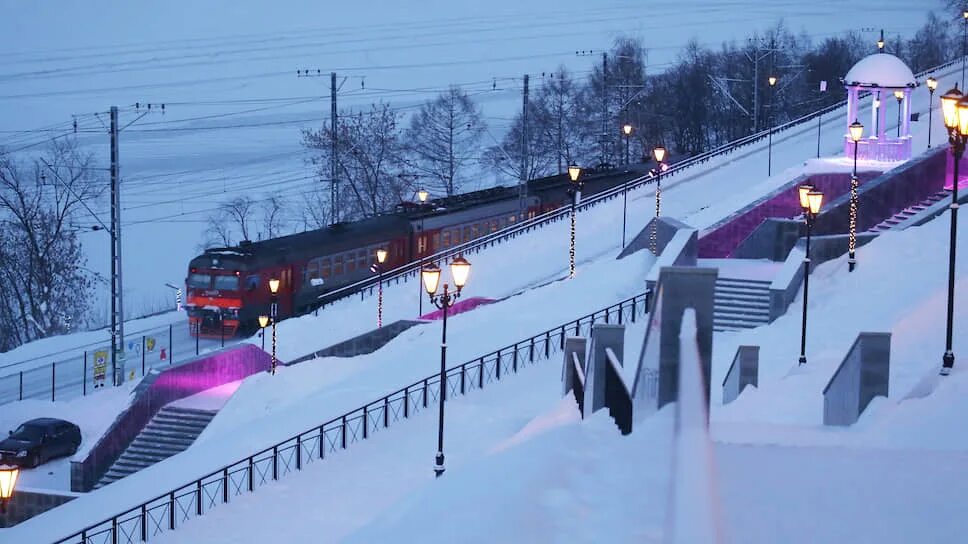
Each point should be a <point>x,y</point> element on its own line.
<point>553,215</point>
<point>579,372</point>
<point>616,366</point>
<point>355,425</point>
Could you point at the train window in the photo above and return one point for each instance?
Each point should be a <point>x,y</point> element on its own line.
<point>199,281</point>
<point>312,270</point>
<point>252,282</point>
<point>421,244</point>
<point>350,263</point>
<point>531,214</point>
<point>455,236</point>
<point>337,265</point>
<point>229,283</point>
<point>475,230</point>
<point>446,242</point>
<point>436,244</point>
<point>467,233</point>
<point>361,259</point>
<point>493,225</point>
<point>324,268</point>
<point>512,219</point>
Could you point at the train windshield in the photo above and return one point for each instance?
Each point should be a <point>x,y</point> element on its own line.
<point>201,281</point>
<point>228,283</point>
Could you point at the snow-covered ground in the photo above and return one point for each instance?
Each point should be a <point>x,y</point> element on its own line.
<point>235,107</point>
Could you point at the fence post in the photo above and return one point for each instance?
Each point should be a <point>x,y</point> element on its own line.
<point>343,433</point>
<point>463,377</point>
<point>531,351</point>
<point>275,462</point>
<point>298,452</point>
<point>142,355</point>
<point>514,361</point>
<point>498,366</point>
<point>607,312</point>
<point>171,346</point>
<point>114,530</point>
<point>198,497</point>
<point>425,392</point>
<point>171,511</point>
<point>406,402</point>
<point>561,342</point>
<point>386,411</point>
<point>251,475</point>
<point>322,441</point>
<point>144,523</point>
<point>84,376</point>
<point>53,380</point>
<point>621,308</point>
<point>21,385</point>
<point>480,373</point>
<point>225,485</point>
<point>366,423</point>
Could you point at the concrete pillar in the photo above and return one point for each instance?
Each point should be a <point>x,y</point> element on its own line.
<point>862,375</point>
<point>906,114</point>
<point>576,345</point>
<point>603,337</point>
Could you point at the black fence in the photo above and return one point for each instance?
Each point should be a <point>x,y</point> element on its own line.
<point>169,511</point>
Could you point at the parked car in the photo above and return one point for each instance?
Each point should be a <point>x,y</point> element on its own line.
<point>40,440</point>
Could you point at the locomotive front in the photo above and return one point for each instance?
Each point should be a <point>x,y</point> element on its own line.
<point>215,293</point>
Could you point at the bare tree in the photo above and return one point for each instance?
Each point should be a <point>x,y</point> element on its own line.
<point>42,268</point>
<point>273,216</point>
<point>369,155</point>
<point>445,136</point>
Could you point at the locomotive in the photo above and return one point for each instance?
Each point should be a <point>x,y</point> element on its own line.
<point>227,287</point>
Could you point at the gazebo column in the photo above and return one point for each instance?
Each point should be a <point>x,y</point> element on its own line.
<point>875,126</point>
<point>851,108</point>
<point>881,119</point>
<point>906,112</point>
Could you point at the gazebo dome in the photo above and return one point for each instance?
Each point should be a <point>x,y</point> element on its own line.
<point>881,70</point>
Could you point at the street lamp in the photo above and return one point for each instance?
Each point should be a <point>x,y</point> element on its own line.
<point>856,132</point>
<point>8,482</point>
<point>955,110</point>
<point>459,269</point>
<point>880,42</point>
<point>899,95</point>
<point>658,153</point>
<point>877,115</point>
<point>381,256</point>
<point>769,154</point>
<point>574,174</point>
<point>810,202</point>
<point>627,130</point>
<point>964,44</point>
<point>932,85</point>
<point>422,194</point>
<point>263,323</point>
<point>274,316</point>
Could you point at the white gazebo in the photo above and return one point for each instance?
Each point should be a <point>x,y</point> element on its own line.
<point>883,77</point>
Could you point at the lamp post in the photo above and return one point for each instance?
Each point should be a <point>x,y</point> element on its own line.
<point>274,316</point>
<point>856,132</point>
<point>627,130</point>
<point>955,109</point>
<point>658,153</point>
<point>381,256</point>
<point>880,42</point>
<point>459,269</point>
<point>769,155</point>
<point>932,85</point>
<point>263,323</point>
<point>8,482</point>
<point>422,195</point>
<point>877,114</point>
<point>810,202</point>
<point>899,95</point>
<point>964,44</point>
<point>574,174</point>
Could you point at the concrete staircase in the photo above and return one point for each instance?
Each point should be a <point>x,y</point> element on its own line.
<point>740,304</point>
<point>910,211</point>
<point>171,431</point>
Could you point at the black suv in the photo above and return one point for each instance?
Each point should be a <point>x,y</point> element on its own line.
<point>40,440</point>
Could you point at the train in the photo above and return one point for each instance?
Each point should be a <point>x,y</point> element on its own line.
<point>227,287</point>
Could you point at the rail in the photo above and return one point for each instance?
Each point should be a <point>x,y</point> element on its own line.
<point>169,510</point>
<point>404,272</point>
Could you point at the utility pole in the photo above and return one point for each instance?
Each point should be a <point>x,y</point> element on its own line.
<point>117,296</point>
<point>333,183</point>
<point>604,106</point>
<point>523,187</point>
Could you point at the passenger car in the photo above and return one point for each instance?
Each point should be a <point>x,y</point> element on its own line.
<point>39,440</point>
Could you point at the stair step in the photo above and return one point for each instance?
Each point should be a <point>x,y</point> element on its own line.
<point>741,298</point>
<point>742,282</point>
<point>189,411</point>
<point>176,424</point>
<point>180,416</point>
<point>740,321</point>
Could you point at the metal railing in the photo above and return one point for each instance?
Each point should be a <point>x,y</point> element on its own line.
<point>168,511</point>
<point>403,273</point>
